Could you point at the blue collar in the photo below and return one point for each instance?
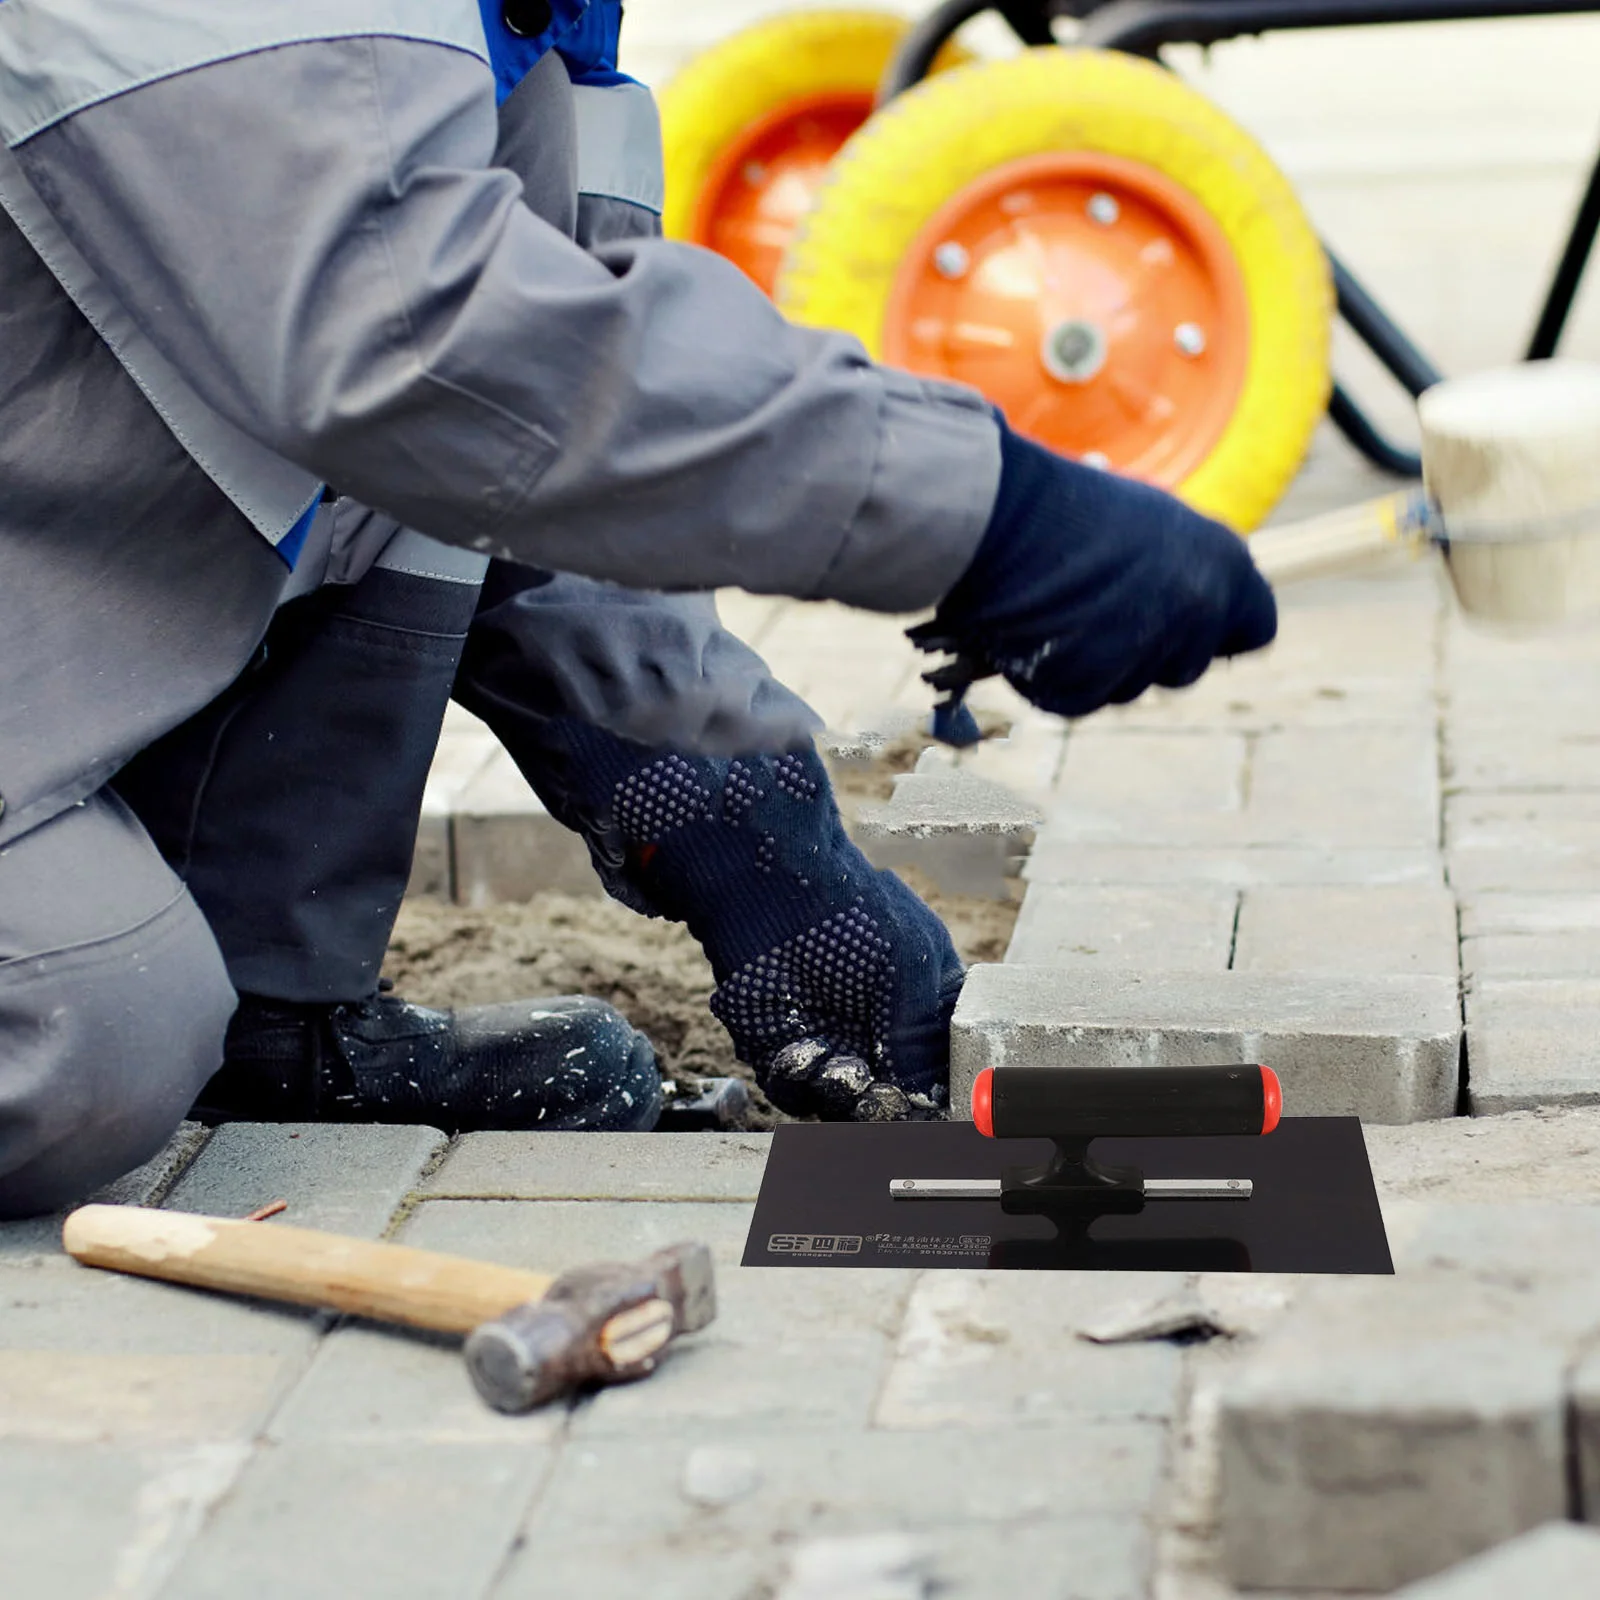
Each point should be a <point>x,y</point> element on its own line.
<point>514,57</point>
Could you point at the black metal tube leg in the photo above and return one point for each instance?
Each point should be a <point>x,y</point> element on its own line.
<point>1569,272</point>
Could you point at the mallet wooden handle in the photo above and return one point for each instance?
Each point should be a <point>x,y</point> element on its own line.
<point>1341,541</point>
<point>389,1282</point>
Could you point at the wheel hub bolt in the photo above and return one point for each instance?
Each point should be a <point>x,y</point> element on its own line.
<point>1104,209</point>
<point>951,260</point>
<point>1074,350</point>
<point>1190,338</point>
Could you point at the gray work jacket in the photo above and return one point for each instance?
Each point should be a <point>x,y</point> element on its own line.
<point>271,241</point>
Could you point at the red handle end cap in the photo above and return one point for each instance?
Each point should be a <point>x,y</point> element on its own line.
<point>983,1102</point>
<point>1271,1099</point>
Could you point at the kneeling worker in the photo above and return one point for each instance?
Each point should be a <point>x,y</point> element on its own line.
<point>246,254</point>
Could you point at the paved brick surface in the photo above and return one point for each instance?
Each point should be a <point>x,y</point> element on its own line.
<point>347,1179</point>
<point>1177,928</point>
<point>1559,1561</point>
<point>1533,1042</point>
<point>1384,1048</point>
<point>1367,930</point>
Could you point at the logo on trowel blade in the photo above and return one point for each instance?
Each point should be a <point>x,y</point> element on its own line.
<point>815,1244</point>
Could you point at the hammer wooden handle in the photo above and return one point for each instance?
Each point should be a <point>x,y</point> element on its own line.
<point>1340,541</point>
<point>389,1282</point>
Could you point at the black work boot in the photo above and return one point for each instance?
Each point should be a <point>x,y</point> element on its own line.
<point>527,1065</point>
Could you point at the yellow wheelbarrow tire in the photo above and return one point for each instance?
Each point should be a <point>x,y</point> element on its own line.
<point>1102,251</point>
<point>749,125</point>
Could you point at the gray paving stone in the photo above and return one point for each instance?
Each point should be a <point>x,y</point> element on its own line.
<point>807,1348</point>
<point>410,1521</point>
<point>968,1500</point>
<point>1138,771</point>
<point>374,1385</point>
<point>1529,914</point>
<point>1387,1431</point>
<point>968,834</point>
<point>506,846</point>
<point>1530,935</point>
<point>1055,859</point>
<point>141,1187</point>
<point>1501,757</point>
<point>1559,1561</point>
<point>1371,930</point>
<point>604,1166</point>
<point>1533,1042</point>
<point>998,1349</point>
<point>1481,869</point>
<point>1585,1396</point>
<point>90,1521</point>
<point>1543,822</point>
<point>1385,1049</point>
<point>1353,788</point>
<point>1143,929</point>
<point>90,1356</point>
<point>342,1177</point>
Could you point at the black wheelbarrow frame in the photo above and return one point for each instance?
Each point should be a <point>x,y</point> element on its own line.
<point>1142,27</point>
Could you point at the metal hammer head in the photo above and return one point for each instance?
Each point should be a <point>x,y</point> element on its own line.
<point>599,1324</point>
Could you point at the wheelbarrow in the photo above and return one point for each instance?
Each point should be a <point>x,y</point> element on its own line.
<point>1075,232</point>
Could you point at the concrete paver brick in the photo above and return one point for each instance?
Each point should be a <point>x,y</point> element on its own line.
<point>1137,771</point>
<point>1585,1397</point>
<point>1149,929</point>
<point>86,1521</point>
<point>1027,761</point>
<point>809,1348</point>
<point>1533,1042</point>
<point>1511,757</point>
<point>1559,1561</point>
<point>1056,859</point>
<point>1388,1430</point>
<point>604,1166</point>
<point>91,1356</point>
<point>968,834</point>
<point>325,1520</point>
<point>374,1386</point>
<point>994,1350</point>
<point>506,846</point>
<point>1072,1499</point>
<point>1370,930</point>
<point>337,1176</point>
<point>1385,1049</point>
<point>141,1187</point>
<point>1518,821</point>
<point>1530,935</point>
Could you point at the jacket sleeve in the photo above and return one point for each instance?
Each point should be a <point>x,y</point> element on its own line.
<point>316,237</point>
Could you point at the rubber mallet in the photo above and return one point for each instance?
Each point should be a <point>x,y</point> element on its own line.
<point>529,1337</point>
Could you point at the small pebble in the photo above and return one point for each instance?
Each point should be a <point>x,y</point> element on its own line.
<point>715,1476</point>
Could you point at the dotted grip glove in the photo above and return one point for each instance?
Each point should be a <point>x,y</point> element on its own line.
<point>1088,588</point>
<point>834,981</point>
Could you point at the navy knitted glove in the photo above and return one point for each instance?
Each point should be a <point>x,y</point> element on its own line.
<point>1088,587</point>
<point>835,982</point>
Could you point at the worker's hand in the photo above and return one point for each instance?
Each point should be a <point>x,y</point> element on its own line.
<point>835,982</point>
<point>1088,588</point>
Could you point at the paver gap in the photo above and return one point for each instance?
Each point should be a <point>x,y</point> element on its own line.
<point>1233,932</point>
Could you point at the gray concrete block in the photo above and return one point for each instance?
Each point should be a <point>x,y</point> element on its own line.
<point>1517,756</point>
<point>89,1356</point>
<point>1055,859</point>
<point>1559,1561</point>
<point>807,1349</point>
<point>1372,930</point>
<point>1523,869</point>
<point>339,1176</point>
<point>1543,822</point>
<point>1134,772</point>
<point>1388,1430</point>
<point>374,1385</point>
<point>996,1350</point>
<point>1143,929</point>
<point>1385,1049</point>
<point>968,1502</point>
<point>431,870</point>
<point>1533,1042</point>
<point>1585,1397</point>
<point>506,846</point>
<point>89,1521</point>
<point>143,1186</point>
<point>603,1166</point>
<point>1530,935</point>
<point>968,834</point>
<point>1351,788</point>
<point>410,1521</point>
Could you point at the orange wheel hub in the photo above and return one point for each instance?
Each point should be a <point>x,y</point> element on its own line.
<point>1092,299</point>
<point>764,183</point>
